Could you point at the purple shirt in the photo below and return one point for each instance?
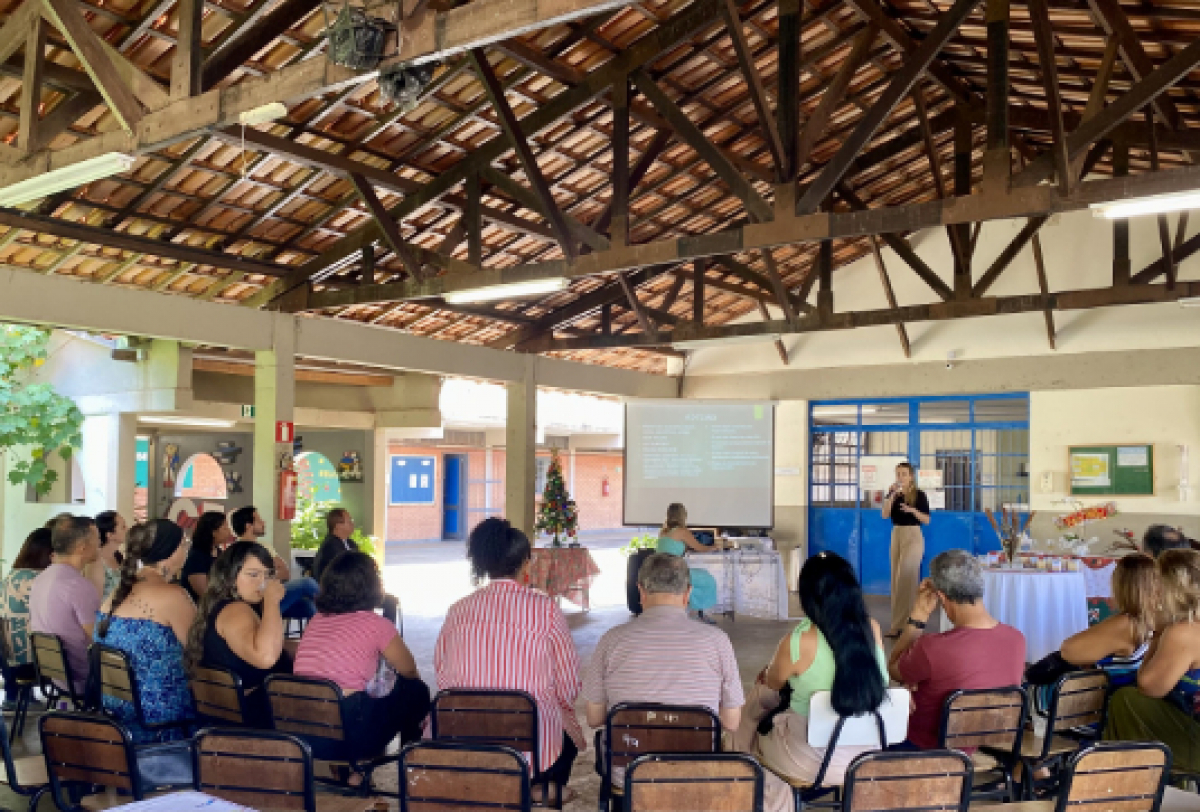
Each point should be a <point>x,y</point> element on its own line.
<point>62,602</point>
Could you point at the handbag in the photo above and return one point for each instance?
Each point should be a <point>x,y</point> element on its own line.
<point>1049,669</point>
<point>165,766</point>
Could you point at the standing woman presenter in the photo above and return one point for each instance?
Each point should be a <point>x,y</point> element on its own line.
<point>908,508</point>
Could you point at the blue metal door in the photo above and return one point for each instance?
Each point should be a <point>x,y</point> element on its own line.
<point>978,445</point>
<point>454,508</point>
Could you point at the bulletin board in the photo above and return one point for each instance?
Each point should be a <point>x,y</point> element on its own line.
<point>1111,470</point>
<point>412,480</point>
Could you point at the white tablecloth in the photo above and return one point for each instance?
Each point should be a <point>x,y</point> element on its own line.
<point>748,583</point>
<point>1048,607</point>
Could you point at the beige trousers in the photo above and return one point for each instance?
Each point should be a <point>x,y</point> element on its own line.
<point>908,547</point>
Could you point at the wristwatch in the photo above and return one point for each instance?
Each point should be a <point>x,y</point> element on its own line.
<point>918,624</point>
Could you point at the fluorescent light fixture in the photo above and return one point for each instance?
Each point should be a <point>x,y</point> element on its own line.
<point>708,343</point>
<point>534,287</point>
<point>1191,301</point>
<point>1158,204</point>
<point>68,177</point>
<point>261,115</point>
<point>200,422</point>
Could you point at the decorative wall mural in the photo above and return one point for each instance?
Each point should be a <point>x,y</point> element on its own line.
<point>201,477</point>
<point>317,478</point>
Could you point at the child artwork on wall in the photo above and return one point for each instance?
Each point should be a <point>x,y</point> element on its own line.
<point>171,463</point>
<point>350,467</point>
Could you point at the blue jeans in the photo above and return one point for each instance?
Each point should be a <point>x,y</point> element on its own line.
<point>298,599</point>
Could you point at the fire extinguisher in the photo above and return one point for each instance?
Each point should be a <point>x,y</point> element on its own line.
<point>287,496</point>
<point>604,487</point>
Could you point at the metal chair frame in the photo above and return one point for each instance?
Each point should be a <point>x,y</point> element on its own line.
<point>79,788</point>
<point>97,654</point>
<point>52,689</point>
<point>235,685</point>
<point>454,746</point>
<point>1028,783</point>
<point>658,758</point>
<point>1064,796</point>
<point>24,686</point>
<point>308,791</point>
<point>858,764</point>
<point>1007,759</point>
<point>34,793</point>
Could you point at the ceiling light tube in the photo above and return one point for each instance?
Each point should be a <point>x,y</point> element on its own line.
<point>200,422</point>
<point>1158,204</point>
<point>515,290</point>
<point>707,343</point>
<point>68,177</point>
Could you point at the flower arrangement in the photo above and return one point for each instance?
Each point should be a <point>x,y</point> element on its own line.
<point>1082,516</point>
<point>1010,528</point>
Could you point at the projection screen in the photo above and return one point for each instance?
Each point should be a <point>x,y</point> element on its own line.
<point>717,458</point>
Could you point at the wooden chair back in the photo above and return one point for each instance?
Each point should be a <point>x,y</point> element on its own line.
<point>305,706</point>
<point>260,769</point>
<point>470,716</point>
<point>926,781</point>
<point>87,749</point>
<point>115,675</point>
<point>714,782</point>
<point>991,717</point>
<point>636,729</point>
<point>1116,777</point>
<point>50,660</point>
<point>218,695</point>
<point>440,775</point>
<point>1080,699</point>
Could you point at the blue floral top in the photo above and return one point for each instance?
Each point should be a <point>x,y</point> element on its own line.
<point>14,605</point>
<point>156,657</point>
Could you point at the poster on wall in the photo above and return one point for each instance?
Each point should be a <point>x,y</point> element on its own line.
<point>350,467</point>
<point>1089,470</point>
<point>877,473</point>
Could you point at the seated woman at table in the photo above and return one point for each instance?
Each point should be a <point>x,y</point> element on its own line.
<point>508,636</point>
<point>675,539</point>
<point>1163,706</point>
<point>837,647</point>
<point>1119,642</point>
<point>239,624</point>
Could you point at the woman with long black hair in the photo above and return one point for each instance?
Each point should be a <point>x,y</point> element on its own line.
<point>836,647</point>
<point>211,536</point>
<point>908,509</point>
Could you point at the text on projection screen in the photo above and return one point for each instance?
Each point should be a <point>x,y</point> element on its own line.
<point>717,459</point>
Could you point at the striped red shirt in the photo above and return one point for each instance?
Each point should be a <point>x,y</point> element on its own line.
<point>344,648</point>
<point>508,636</point>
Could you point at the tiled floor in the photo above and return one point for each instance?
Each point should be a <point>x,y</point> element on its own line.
<point>432,577</point>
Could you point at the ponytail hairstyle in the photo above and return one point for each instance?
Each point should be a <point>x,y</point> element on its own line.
<point>106,522</point>
<point>222,586</point>
<point>833,600</point>
<point>146,545</point>
<point>496,549</point>
<point>910,492</point>
<point>676,517</point>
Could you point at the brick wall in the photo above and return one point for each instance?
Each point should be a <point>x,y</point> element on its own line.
<point>424,522</point>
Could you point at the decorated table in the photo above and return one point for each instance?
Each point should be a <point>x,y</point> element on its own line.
<point>564,572</point>
<point>749,582</point>
<point>1047,607</point>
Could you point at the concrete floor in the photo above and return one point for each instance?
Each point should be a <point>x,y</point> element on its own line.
<point>429,578</point>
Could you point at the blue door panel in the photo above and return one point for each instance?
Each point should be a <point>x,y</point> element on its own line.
<point>875,570</point>
<point>986,540</point>
<point>835,530</point>
<point>451,496</point>
<point>947,531</point>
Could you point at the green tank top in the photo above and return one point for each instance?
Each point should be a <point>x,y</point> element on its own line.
<point>819,675</point>
<point>670,546</point>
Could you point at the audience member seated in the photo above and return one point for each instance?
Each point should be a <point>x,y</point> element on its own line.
<point>1162,537</point>
<point>148,618</point>
<point>33,558</point>
<point>340,525</point>
<point>1119,642</point>
<point>105,571</point>
<point>62,601</point>
<point>1165,704</point>
<point>210,537</point>
<point>298,595</point>
<point>510,637</point>
<point>837,647</point>
<point>979,652</point>
<point>239,625</point>
<point>675,539</point>
<point>348,643</point>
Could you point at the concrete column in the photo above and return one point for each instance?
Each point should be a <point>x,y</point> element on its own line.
<point>108,460</point>
<point>274,401</point>
<point>521,448</point>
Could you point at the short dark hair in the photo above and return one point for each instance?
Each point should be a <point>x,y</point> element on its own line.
<point>1162,537</point>
<point>497,549</point>
<point>350,583</point>
<point>242,518</point>
<point>335,517</point>
<point>35,552</point>
<point>69,532</point>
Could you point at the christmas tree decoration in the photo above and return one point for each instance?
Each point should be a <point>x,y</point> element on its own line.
<point>558,515</point>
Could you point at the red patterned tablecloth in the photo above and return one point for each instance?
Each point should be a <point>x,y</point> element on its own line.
<point>564,572</point>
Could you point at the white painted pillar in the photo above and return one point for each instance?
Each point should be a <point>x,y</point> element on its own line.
<point>521,448</point>
<point>380,485</point>
<point>274,401</point>
<point>107,461</point>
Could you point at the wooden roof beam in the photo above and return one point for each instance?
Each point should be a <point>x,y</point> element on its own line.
<point>754,86</point>
<point>1111,17</point>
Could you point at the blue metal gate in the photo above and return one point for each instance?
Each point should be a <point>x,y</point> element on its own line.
<point>979,444</point>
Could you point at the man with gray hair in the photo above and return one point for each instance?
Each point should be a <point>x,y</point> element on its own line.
<point>979,652</point>
<point>663,655</point>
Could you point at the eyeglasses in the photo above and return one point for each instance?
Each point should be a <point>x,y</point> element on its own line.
<point>265,575</point>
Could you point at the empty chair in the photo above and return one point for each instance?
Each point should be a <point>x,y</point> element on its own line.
<point>924,781</point>
<point>686,782</point>
<point>263,769</point>
<point>452,776</point>
<point>992,720</point>
<point>218,695</point>
<point>1125,776</point>
<point>635,729</point>
<point>87,753</point>
<point>54,669</point>
<point>1077,710</point>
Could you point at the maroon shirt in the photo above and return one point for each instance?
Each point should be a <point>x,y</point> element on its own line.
<point>940,664</point>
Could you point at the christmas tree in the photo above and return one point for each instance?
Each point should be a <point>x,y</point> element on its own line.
<point>558,515</point>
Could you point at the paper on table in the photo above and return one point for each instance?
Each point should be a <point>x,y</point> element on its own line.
<point>186,801</point>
